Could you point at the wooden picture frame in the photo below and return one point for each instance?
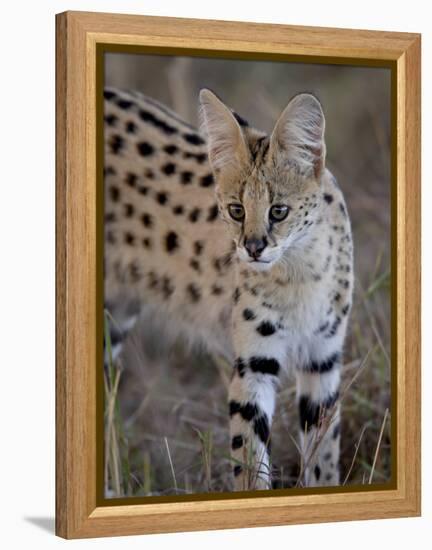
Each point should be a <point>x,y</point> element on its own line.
<point>79,38</point>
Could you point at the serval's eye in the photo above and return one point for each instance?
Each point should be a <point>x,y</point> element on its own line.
<point>278,212</point>
<point>236,211</point>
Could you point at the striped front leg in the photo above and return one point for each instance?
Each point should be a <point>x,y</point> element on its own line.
<point>319,411</point>
<point>251,408</point>
<point>259,346</point>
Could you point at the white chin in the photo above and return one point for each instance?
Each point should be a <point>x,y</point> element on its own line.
<point>259,266</point>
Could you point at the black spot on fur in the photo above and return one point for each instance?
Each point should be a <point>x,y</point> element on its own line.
<point>264,365</point>
<point>169,168</point>
<point>186,177</point>
<point>111,120</point>
<point>327,457</point>
<point>194,215</point>
<point>178,210</point>
<point>261,429</point>
<point>171,149</point>
<point>116,144</point>
<point>213,213</point>
<point>248,411</point>
<point>129,210</point>
<point>317,472</point>
<point>324,366</point>
<point>193,292</point>
<point>207,180</point>
<point>145,149</point>
<point>309,413</point>
<point>131,127</point>
<point>342,209</point>
<point>109,95</point>
<point>129,238</point>
<point>344,283</point>
<point>171,241</point>
<point>193,139</point>
<point>109,171</point>
<point>114,193</point>
<point>266,328</point>
<point>147,243</point>
<point>237,470</point>
<point>162,198</point>
<point>234,407</point>
<point>110,217</point>
<point>124,104</point>
<point>345,309</point>
<point>195,265</point>
<point>149,117</point>
<point>167,287</point>
<point>333,328</point>
<point>328,198</point>
<point>147,220</point>
<point>143,190</point>
<point>198,247</point>
<point>148,173</point>
<point>216,290</point>
<point>131,179</point>
<point>236,442</point>
<point>199,157</point>
<point>248,314</point>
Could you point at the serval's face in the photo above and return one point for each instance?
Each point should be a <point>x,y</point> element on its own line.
<point>267,186</point>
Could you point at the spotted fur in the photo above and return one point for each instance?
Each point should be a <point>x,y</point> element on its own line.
<point>269,294</point>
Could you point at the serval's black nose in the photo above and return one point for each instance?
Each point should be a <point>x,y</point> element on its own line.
<point>255,246</point>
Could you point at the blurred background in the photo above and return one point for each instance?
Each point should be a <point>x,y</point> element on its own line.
<point>168,433</point>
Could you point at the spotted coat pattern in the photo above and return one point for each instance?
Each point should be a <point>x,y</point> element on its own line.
<point>172,249</point>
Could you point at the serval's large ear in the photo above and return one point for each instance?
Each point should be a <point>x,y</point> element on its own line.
<point>299,135</point>
<point>227,149</point>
